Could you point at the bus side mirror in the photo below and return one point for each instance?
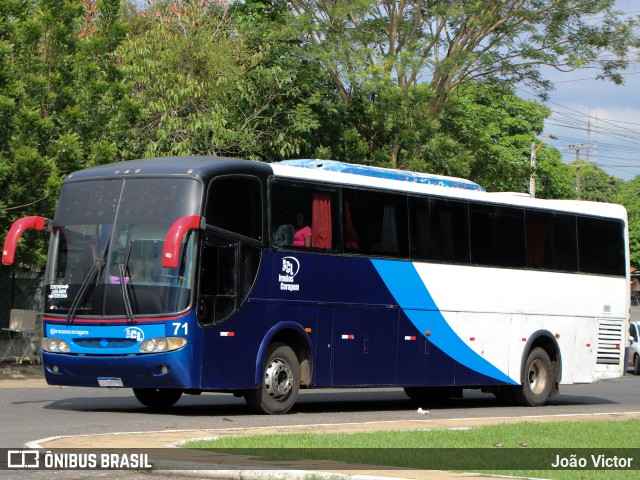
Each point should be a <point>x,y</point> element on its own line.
<point>19,226</point>
<point>175,235</point>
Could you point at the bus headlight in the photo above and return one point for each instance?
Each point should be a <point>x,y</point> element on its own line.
<point>56,345</point>
<point>162,344</point>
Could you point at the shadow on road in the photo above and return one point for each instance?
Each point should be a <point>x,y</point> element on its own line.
<point>207,405</point>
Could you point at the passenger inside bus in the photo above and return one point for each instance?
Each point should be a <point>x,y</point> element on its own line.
<point>303,218</point>
<point>302,235</point>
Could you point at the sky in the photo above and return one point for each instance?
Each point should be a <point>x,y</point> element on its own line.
<point>598,116</point>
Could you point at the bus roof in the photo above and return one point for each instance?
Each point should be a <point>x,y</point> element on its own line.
<point>207,167</point>
<point>202,167</point>
<point>387,173</point>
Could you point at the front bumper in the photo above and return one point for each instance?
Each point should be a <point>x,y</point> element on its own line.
<point>157,370</point>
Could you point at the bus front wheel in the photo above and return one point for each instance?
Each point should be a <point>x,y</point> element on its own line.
<point>280,382</point>
<point>157,397</point>
<point>538,380</point>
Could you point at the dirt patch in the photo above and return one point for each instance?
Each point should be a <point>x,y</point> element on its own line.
<point>20,371</point>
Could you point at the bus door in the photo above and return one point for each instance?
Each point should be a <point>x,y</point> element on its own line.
<point>364,346</point>
<point>218,279</point>
<point>228,268</point>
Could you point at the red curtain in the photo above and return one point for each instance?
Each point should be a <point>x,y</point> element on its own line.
<point>321,220</point>
<point>352,235</point>
<point>536,240</point>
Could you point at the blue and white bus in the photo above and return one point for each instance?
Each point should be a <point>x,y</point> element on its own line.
<point>179,275</point>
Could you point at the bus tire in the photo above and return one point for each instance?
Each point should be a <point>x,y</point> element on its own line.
<point>636,364</point>
<point>157,397</point>
<point>538,380</point>
<point>280,382</point>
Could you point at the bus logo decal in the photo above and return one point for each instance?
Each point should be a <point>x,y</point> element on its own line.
<point>290,266</point>
<point>287,277</point>
<point>134,333</point>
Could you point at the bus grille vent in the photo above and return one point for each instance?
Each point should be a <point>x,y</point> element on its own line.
<point>610,340</point>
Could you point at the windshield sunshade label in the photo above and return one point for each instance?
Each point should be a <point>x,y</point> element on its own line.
<point>58,291</point>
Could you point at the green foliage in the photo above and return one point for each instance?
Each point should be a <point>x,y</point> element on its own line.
<point>371,48</point>
<point>206,89</point>
<point>630,198</point>
<point>597,185</point>
<point>450,43</point>
<point>60,102</point>
<point>553,435</point>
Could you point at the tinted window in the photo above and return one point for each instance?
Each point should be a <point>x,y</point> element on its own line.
<point>439,230</point>
<point>235,204</point>
<point>304,216</point>
<point>551,241</point>
<point>375,223</point>
<point>601,246</point>
<point>497,236</point>
<point>136,200</point>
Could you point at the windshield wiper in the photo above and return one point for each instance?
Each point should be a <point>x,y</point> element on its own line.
<point>94,273</point>
<point>124,267</point>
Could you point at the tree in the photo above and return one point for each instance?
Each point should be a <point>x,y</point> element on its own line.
<point>630,197</point>
<point>596,185</point>
<point>59,90</point>
<point>448,43</point>
<point>390,48</point>
<point>205,88</point>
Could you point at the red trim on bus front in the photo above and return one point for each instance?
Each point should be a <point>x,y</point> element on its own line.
<point>173,240</point>
<point>19,226</point>
<point>114,320</point>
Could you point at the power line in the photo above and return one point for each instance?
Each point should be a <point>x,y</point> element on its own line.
<point>594,78</point>
<point>619,136</point>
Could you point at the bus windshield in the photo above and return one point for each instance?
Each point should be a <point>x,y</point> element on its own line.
<point>105,257</point>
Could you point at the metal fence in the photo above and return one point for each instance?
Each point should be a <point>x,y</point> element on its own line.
<point>20,288</point>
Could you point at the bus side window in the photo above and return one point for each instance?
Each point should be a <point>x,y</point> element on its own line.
<point>439,230</point>
<point>318,207</point>
<point>375,223</point>
<point>551,241</point>
<point>235,204</point>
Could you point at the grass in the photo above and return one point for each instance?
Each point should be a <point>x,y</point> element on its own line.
<point>507,449</point>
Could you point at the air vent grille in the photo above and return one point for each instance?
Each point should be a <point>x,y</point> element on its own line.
<point>610,342</point>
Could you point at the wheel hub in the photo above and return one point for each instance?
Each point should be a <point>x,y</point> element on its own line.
<point>278,379</point>
<point>537,377</point>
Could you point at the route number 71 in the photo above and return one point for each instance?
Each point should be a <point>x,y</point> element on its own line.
<point>178,326</point>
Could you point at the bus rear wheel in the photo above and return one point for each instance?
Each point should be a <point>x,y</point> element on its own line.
<point>157,397</point>
<point>538,380</point>
<point>280,382</point>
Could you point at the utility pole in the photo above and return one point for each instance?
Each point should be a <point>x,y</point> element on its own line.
<point>577,148</point>
<point>534,150</point>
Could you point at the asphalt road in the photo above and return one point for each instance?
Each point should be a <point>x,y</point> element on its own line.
<point>28,414</point>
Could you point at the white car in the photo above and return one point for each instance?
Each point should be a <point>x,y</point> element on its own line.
<point>634,346</point>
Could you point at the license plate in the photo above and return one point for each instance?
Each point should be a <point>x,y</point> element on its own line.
<point>110,382</point>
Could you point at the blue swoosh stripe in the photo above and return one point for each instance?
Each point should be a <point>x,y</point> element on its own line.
<point>406,286</point>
